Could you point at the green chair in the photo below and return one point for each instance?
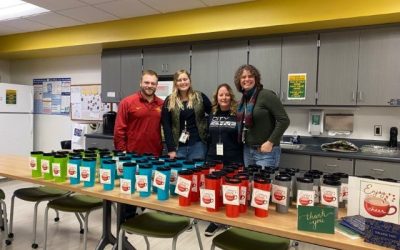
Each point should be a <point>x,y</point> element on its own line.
<point>37,195</point>
<point>158,225</point>
<point>3,219</point>
<point>81,205</point>
<point>242,239</point>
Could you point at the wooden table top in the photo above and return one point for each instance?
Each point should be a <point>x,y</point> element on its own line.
<point>284,225</point>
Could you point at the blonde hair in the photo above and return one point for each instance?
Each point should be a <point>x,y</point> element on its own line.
<point>175,99</point>
<point>233,105</point>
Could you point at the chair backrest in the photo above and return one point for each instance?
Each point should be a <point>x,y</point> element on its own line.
<point>66,144</point>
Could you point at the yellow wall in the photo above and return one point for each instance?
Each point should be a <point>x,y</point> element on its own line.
<point>245,19</point>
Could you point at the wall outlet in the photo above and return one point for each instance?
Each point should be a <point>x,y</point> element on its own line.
<point>378,130</point>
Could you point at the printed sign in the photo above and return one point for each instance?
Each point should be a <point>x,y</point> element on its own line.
<point>120,168</point>
<point>297,86</point>
<point>194,184</point>
<point>279,194</point>
<point>207,198</point>
<point>316,194</point>
<point>56,170</point>
<point>142,184</point>
<point>230,194</point>
<point>33,163</point>
<point>183,187</point>
<point>105,176</point>
<point>329,196</point>
<point>382,233</point>
<point>173,177</point>
<point>85,173</point>
<point>344,192</point>
<point>72,170</point>
<point>125,186</point>
<point>305,198</point>
<point>374,199</point>
<point>159,180</point>
<point>45,166</point>
<point>260,199</point>
<point>316,219</point>
<point>243,193</point>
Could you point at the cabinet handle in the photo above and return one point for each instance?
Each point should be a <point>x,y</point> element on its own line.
<point>162,67</point>
<point>331,165</point>
<point>360,96</point>
<point>166,67</point>
<point>353,94</point>
<point>378,170</point>
<point>282,95</point>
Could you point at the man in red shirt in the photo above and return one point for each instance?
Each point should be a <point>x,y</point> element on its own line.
<point>138,124</point>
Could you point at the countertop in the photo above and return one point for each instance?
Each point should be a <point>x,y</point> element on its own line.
<point>312,146</point>
<point>99,136</point>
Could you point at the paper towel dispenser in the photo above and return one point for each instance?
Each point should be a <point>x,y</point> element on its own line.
<point>339,123</point>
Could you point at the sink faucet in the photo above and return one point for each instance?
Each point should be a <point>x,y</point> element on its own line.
<point>295,139</point>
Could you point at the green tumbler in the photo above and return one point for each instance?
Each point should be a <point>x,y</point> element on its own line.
<point>34,163</point>
<point>47,160</point>
<point>59,167</point>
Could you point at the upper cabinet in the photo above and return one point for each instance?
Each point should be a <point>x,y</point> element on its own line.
<point>299,56</point>
<point>120,74</point>
<point>337,68</point>
<point>265,55</point>
<point>167,60</point>
<point>216,63</point>
<point>379,74</point>
<point>111,76</point>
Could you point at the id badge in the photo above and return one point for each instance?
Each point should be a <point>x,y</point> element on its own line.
<point>220,149</point>
<point>184,137</point>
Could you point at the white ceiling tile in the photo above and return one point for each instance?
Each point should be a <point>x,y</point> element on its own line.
<point>57,4</point>
<point>223,2</point>
<point>173,5</point>
<point>127,8</point>
<point>25,25</point>
<point>96,1</point>
<point>55,20</point>
<point>88,14</point>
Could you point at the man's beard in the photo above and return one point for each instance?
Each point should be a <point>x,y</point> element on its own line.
<point>146,92</point>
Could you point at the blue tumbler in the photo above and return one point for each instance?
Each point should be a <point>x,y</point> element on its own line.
<point>163,194</point>
<point>175,167</point>
<point>111,165</point>
<point>130,174</point>
<point>91,163</point>
<point>104,158</point>
<point>168,162</point>
<point>155,165</point>
<point>76,161</point>
<point>180,159</point>
<point>145,169</point>
<point>120,166</point>
<point>198,162</point>
<point>188,165</point>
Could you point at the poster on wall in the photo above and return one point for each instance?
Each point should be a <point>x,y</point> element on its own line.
<point>86,103</point>
<point>164,89</point>
<point>52,96</point>
<point>297,84</point>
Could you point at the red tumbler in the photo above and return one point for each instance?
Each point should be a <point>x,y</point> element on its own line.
<point>232,211</point>
<point>195,191</point>
<point>213,182</point>
<point>263,184</point>
<point>244,191</point>
<point>218,165</point>
<point>188,175</point>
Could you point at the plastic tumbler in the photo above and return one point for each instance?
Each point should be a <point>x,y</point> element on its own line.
<point>120,166</point>
<point>103,158</point>
<point>145,169</point>
<point>187,165</point>
<point>175,167</point>
<point>198,162</point>
<point>91,163</point>
<point>130,174</point>
<point>262,184</point>
<point>244,191</point>
<point>283,180</point>
<point>232,211</point>
<point>59,167</point>
<point>75,162</point>
<point>110,165</point>
<point>34,163</point>
<point>306,184</point>
<point>155,165</point>
<point>188,175</point>
<point>213,182</point>
<point>46,161</point>
<point>344,179</point>
<point>195,185</point>
<point>328,196</point>
<point>163,194</point>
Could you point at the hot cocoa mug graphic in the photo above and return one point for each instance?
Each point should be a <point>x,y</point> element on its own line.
<point>32,163</point>
<point>71,171</point>
<point>304,201</point>
<point>378,207</point>
<point>125,186</point>
<point>230,196</point>
<point>260,200</point>
<point>329,197</point>
<point>56,171</point>
<point>207,199</point>
<point>159,180</point>
<point>45,166</point>
<point>141,183</point>
<point>105,177</point>
<point>278,194</point>
<point>182,187</point>
<point>85,174</point>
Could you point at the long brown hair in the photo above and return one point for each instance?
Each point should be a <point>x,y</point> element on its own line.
<point>174,98</point>
<point>253,71</point>
<point>233,104</point>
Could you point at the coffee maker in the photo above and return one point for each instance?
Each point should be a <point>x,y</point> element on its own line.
<point>109,122</point>
<point>393,137</point>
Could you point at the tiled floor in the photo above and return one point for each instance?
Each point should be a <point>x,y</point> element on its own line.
<point>65,233</point>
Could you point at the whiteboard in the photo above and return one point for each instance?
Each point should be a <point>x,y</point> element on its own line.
<point>86,103</point>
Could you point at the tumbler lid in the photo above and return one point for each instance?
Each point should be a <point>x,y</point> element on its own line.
<point>283,177</point>
<point>89,159</point>
<point>129,164</point>
<point>125,158</point>
<point>331,182</point>
<point>60,156</point>
<point>305,180</point>
<point>36,152</point>
<point>233,181</point>
<point>341,175</point>
<point>212,176</point>
<point>185,172</point>
<point>262,180</point>
<point>175,165</point>
<point>109,162</point>
<point>163,168</point>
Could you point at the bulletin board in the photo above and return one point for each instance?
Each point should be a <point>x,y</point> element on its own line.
<point>51,96</point>
<point>86,103</point>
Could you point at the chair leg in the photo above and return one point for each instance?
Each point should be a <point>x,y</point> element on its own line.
<point>196,227</point>
<point>212,246</point>
<point>4,221</point>
<point>174,240</point>
<point>1,216</point>
<point>121,237</point>
<point>147,242</point>
<point>11,235</point>
<point>57,218</point>
<point>46,215</point>
<point>86,230</point>
<point>34,244</point>
<point>80,222</point>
